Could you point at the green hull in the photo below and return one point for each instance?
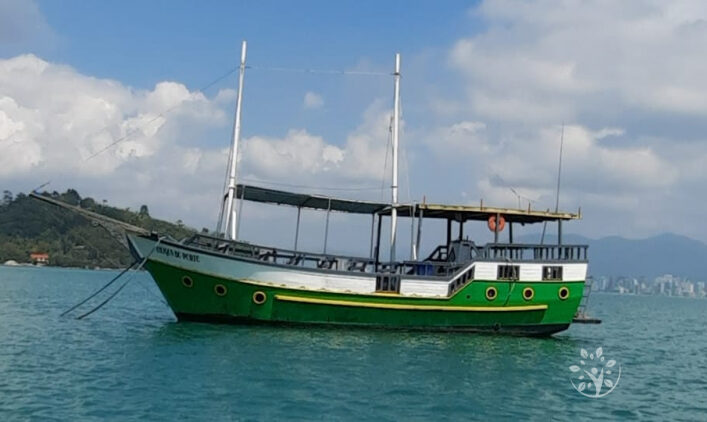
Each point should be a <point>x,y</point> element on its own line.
<point>208,298</point>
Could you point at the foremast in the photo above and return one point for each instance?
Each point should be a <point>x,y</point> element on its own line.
<point>228,219</point>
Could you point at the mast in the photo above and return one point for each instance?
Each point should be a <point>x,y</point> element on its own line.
<point>228,210</point>
<point>396,133</point>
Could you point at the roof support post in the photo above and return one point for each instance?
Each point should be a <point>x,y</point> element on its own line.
<point>373,229</point>
<point>326,227</point>
<point>510,232</point>
<point>396,134</point>
<point>378,242</point>
<point>299,214</point>
<point>419,232</point>
<point>495,230</point>
<point>461,230</point>
<point>449,232</point>
<point>240,213</point>
<point>559,232</point>
<point>413,249</point>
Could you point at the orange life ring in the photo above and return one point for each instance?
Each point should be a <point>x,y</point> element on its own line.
<point>501,223</point>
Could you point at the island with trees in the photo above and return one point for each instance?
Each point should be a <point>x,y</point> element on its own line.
<point>31,229</point>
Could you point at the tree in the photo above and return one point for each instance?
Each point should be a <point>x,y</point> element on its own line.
<point>6,197</point>
<point>143,211</point>
<point>88,203</point>
<point>71,197</point>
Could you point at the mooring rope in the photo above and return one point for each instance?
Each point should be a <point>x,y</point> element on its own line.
<point>94,294</point>
<point>114,294</point>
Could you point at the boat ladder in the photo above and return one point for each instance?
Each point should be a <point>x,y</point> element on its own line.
<point>581,316</point>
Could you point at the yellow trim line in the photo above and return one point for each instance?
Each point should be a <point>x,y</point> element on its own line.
<point>298,299</point>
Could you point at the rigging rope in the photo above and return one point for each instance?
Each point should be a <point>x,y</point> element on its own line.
<point>219,79</point>
<point>94,294</point>
<point>161,114</point>
<point>320,71</point>
<point>114,294</point>
<point>385,161</point>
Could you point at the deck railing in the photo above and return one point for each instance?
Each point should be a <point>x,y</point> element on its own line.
<point>438,264</point>
<point>534,252</point>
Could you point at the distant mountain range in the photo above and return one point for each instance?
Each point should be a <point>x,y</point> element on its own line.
<point>651,257</point>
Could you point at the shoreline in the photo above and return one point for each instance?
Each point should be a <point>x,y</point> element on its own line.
<point>60,268</point>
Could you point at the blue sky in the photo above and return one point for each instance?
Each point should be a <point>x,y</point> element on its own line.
<point>486,89</point>
<point>142,43</point>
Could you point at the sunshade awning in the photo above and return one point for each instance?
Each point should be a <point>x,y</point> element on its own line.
<point>319,202</point>
<point>482,213</point>
<point>441,211</point>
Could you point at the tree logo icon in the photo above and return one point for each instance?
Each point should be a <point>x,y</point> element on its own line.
<point>594,373</point>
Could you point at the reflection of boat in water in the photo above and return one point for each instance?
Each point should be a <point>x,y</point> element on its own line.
<point>460,286</point>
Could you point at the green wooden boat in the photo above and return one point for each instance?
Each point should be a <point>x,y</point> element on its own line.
<point>506,287</point>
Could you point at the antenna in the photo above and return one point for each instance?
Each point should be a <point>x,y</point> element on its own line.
<point>559,170</point>
<point>559,175</point>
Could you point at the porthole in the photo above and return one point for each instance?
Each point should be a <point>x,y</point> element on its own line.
<point>220,290</point>
<point>563,293</point>
<point>259,297</point>
<point>528,293</point>
<point>187,281</point>
<point>491,293</point>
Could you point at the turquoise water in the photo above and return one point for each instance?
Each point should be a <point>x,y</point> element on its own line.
<point>132,361</point>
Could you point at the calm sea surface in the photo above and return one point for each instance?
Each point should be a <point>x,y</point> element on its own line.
<point>132,361</point>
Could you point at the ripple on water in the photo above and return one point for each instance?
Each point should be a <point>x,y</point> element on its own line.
<point>131,360</point>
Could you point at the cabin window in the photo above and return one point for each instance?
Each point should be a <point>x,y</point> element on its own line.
<point>388,283</point>
<point>508,272</point>
<point>552,272</point>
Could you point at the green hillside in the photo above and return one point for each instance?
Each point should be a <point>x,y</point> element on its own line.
<point>28,226</point>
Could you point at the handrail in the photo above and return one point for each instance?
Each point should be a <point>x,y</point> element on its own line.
<point>435,266</point>
<point>535,252</point>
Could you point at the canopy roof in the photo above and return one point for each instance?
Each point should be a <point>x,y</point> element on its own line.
<point>451,212</point>
<point>319,202</point>
<point>482,213</point>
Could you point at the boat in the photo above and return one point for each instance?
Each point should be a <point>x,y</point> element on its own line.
<point>499,287</point>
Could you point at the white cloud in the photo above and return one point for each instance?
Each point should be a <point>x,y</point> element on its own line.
<point>53,119</point>
<point>312,100</point>
<point>540,61</point>
<point>297,152</point>
<point>308,158</point>
<point>61,118</point>
<point>625,77</point>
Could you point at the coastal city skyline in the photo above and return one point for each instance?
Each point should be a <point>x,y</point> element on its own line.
<point>665,285</point>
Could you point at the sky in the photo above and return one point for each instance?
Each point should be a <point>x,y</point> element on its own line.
<point>489,89</point>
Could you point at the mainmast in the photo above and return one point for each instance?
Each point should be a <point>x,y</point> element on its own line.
<point>396,133</point>
<point>228,209</point>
